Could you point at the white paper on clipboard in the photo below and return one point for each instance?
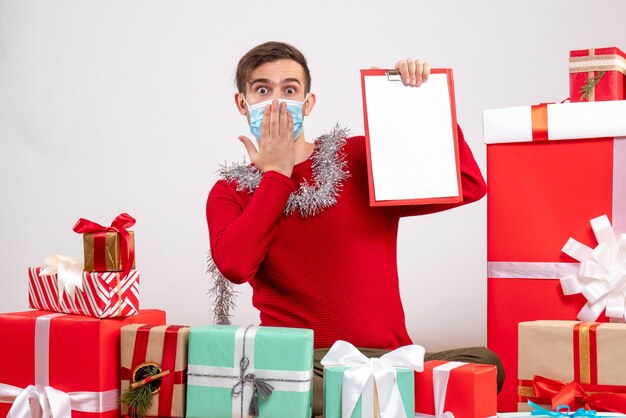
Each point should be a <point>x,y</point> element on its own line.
<point>411,134</point>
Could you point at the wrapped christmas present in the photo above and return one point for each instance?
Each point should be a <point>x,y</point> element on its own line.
<point>571,363</point>
<point>462,390</point>
<point>109,248</point>
<point>241,371</point>
<point>64,366</point>
<point>597,74</point>
<point>154,370</point>
<point>550,170</point>
<point>63,286</point>
<point>356,386</point>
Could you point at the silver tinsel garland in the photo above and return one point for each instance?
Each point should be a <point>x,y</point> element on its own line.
<point>329,172</point>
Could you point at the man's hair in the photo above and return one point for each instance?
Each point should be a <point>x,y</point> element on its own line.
<point>269,52</point>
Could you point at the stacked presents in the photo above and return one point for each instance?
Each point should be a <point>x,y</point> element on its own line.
<point>87,350</point>
<point>557,243</point>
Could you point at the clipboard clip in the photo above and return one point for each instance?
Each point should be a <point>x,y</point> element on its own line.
<point>393,75</point>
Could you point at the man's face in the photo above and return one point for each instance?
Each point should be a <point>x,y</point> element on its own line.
<point>281,79</point>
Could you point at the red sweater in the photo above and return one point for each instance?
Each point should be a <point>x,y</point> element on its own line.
<point>335,272</point>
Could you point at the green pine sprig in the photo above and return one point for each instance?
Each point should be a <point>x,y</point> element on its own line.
<point>140,399</point>
<point>590,84</point>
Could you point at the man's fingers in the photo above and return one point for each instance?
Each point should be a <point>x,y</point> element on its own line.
<point>274,119</point>
<point>290,124</point>
<point>250,148</point>
<point>411,70</point>
<point>284,122</point>
<point>403,67</point>
<point>419,67</point>
<point>265,123</point>
<point>425,72</point>
<point>414,72</point>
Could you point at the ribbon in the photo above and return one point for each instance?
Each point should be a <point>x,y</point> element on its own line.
<point>382,370</point>
<point>42,400</point>
<point>249,383</point>
<point>574,395</point>
<point>539,114</point>
<point>441,375</point>
<point>69,271</point>
<point>601,277</point>
<point>119,225</point>
<point>608,62</point>
<point>561,411</point>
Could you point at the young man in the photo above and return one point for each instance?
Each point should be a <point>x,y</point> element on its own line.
<point>297,224</point>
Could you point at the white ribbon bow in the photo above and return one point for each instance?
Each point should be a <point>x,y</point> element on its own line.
<point>382,369</point>
<point>69,271</point>
<point>602,274</point>
<point>48,402</point>
<point>31,402</point>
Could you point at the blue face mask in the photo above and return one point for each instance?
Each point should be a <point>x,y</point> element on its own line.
<point>257,110</point>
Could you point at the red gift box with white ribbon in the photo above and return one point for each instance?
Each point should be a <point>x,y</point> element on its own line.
<point>455,389</point>
<point>97,294</point>
<point>65,366</point>
<point>550,170</point>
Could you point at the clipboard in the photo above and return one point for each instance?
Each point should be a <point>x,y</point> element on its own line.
<point>411,139</point>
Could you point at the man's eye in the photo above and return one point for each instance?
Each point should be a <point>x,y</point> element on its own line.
<point>262,90</point>
<point>290,90</point>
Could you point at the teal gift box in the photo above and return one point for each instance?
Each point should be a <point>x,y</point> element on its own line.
<point>333,386</point>
<point>231,368</point>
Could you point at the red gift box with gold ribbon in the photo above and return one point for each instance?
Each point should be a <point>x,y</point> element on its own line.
<point>597,74</point>
<point>579,364</point>
<point>67,365</point>
<point>550,169</point>
<point>149,349</point>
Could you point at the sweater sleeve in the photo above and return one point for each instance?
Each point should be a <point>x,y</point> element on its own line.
<point>472,183</point>
<point>241,231</point>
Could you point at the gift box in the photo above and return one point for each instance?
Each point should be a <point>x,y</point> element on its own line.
<point>356,386</point>
<point>234,370</point>
<point>550,170</point>
<point>578,364</point>
<point>149,350</point>
<point>597,74</point>
<point>465,390</point>
<point>101,295</point>
<point>69,363</point>
<point>108,248</point>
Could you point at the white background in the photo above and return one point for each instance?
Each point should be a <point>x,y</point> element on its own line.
<point>118,105</point>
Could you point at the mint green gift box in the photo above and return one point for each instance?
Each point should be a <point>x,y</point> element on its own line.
<point>282,356</point>
<point>333,385</point>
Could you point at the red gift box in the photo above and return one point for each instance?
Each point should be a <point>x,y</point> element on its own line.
<point>103,295</point>
<point>466,390</point>
<point>163,347</point>
<point>541,192</point>
<point>60,359</point>
<point>602,69</point>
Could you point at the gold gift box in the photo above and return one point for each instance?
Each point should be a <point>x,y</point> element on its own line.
<point>112,251</point>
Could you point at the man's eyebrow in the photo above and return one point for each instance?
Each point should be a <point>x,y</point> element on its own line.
<point>267,81</point>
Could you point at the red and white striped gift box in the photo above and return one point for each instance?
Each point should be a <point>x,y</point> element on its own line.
<point>103,294</point>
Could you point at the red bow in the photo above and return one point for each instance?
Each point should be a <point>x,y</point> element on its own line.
<point>574,395</point>
<point>119,225</point>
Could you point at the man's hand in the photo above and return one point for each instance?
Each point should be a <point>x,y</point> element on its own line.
<point>276,147</point>
<point>414,72</point>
